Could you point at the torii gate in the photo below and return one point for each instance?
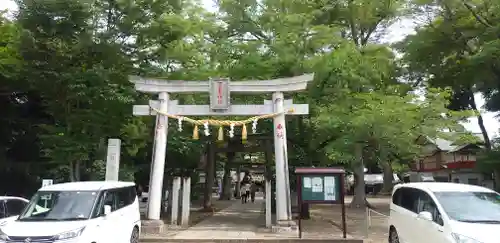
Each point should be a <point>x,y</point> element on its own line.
<point>220,90</point>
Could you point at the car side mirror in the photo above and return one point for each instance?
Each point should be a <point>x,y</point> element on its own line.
<point>425,215</point>
<point>107,209</point>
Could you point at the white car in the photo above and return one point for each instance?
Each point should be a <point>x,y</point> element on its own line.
<point>439,212</point>
<point>78,212</point>
<point>10,208</point>
<point>143,203</point>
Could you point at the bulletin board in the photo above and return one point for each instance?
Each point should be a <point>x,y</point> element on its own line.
<point>316,188</point>
<point>321,186</point>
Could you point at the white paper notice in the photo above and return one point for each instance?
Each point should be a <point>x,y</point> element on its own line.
<point>307,182</point>
<point>329,188</point>
<point>317,184</point>
<point>329,181</point>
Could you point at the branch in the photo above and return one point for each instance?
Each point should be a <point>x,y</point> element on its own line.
<point>458,36</point>
<point>326,142</point>
<point>479,18</point>
<point>354,31</point>
<point>370,31</point>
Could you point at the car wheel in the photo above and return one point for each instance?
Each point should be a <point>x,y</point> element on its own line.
<point>393,236</point>
<point>134,237</point>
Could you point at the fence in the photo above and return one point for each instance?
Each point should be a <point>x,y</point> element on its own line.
<point>369,214</point>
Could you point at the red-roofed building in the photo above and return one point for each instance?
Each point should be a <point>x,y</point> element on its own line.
<point>446,161</point>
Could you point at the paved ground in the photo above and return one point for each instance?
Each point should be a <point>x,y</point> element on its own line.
<point>356,222</point>
<point>197,213</point>
<point>247,221</point>
<point>235,222</point>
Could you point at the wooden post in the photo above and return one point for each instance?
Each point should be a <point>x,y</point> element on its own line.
<point>299,202</point>
<point>342,201</point>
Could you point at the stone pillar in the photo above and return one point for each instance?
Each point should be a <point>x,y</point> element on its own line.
<point>156,182</point>
<point>279,157</point>
<point>176,187</point>
<point>287,176</point>
<point>186,201</point>
<point>113,159</point>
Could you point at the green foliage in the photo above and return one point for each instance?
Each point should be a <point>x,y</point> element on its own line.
<point>457,48</point>
<point>73,59</point>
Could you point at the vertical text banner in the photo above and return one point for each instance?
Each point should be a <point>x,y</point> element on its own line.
<point>219,94</point>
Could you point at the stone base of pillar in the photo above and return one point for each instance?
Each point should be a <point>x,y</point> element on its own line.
<point>288,226</point>
<point>151,226</point>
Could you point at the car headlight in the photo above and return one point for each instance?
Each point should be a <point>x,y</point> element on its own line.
<point>70,234</point>
<point>463,239</point>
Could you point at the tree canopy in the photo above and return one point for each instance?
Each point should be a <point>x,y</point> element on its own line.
<point>64,69</point>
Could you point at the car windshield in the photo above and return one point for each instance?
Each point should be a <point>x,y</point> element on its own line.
<point>59,206</point>
<point>473,207</point>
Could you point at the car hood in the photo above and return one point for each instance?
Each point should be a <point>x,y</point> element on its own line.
<point>484,233</point>
<point>40,228</point>
<point>4,221</point>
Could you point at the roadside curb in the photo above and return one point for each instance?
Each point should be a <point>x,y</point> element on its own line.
<point>158,240</point>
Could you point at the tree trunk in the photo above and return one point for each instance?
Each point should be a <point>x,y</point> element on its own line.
<point>388,177</point>
<point>496,177</point>
<point>71,171</point>
<point>74,171</point>
<point>359,199</point>
<point>77,171</point>
<point>480,122</point>
<point>486,138</point>
<point>209,177</point>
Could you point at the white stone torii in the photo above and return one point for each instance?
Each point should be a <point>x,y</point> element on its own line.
<point>220,105</point>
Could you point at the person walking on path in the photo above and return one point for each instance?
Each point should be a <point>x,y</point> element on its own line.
<point>253,190</point>
<point>242,193</point>
<point>245,192</point>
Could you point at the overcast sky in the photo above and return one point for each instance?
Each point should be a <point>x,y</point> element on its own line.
<point>397,32</point>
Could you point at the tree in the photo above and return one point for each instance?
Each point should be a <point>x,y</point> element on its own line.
<point>364,113</point>
<point>457,47</point>
<point>84,92</point>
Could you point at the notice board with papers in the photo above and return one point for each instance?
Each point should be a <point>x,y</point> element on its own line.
<point>321,186</point>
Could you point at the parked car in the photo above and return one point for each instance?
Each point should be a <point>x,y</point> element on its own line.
<point>143,202</point>
<point>439,212</point>
<point>373,183</point>
<point>93,211</point>
<point>10,208</point>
